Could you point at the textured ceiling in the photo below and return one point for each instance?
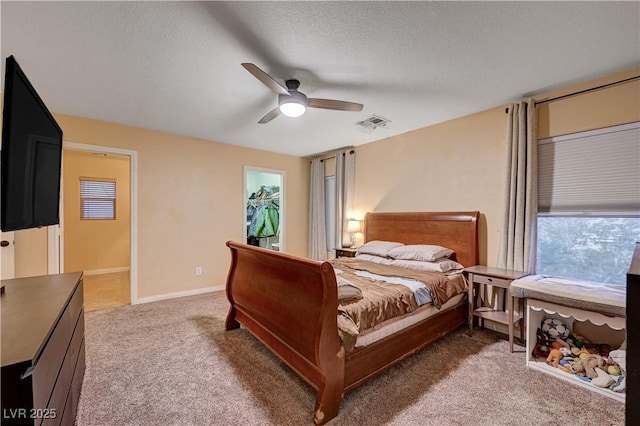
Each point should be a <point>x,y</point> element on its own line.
<point>175,66</point>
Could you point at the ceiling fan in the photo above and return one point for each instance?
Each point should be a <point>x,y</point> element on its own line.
<point>291,102</point>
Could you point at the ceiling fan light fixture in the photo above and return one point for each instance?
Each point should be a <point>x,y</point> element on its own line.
<point>292,108</point>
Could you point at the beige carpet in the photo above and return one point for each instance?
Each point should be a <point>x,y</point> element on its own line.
<point>172,363</point>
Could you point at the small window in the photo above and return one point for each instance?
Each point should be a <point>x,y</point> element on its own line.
<point>97,199</point>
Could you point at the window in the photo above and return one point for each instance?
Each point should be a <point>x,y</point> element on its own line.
<point>97,199</point>
<point>587,248</point>
<point>589,203</point>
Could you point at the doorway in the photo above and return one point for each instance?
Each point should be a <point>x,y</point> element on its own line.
<point>263,216</point>
<point>104,247</point>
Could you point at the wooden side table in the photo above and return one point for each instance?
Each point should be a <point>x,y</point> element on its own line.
<point>346,252</point>
<point>497,277</point>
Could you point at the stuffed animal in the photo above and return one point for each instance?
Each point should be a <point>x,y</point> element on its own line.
<point>542,346</point>
<point>576,367</point>
<point>590,363</point>
<point>554,357</point>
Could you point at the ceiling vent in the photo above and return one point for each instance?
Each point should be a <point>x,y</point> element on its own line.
<point>374,122</point>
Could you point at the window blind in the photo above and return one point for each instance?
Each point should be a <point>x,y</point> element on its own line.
<point>591,172</point>
<point>97,199</point>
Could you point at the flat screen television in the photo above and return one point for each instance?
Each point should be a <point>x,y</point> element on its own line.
<point>31,155</point>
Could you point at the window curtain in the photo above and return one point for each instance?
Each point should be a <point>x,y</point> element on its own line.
<point>517,248</point>
<point>317,227</point>
<point>345,193</point>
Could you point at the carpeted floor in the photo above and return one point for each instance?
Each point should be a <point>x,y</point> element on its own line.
<point>172,363</point>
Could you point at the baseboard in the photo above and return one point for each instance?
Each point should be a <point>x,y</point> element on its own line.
<point>105,271</point>
<point>178,294</point>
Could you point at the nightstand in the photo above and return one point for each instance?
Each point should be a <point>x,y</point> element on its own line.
<point>346,252</point>
<point>482,276</point>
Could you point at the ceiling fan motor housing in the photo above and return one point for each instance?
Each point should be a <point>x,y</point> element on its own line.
<point>294,96</point>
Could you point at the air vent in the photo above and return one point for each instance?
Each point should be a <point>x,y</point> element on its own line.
<point>374,122</point>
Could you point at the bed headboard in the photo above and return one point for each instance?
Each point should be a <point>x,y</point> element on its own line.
<point>455,230</point>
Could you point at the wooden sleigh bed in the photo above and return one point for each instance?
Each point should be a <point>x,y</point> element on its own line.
<point>290,304</point>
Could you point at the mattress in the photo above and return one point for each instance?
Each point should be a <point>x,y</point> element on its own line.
<point>394,325</point>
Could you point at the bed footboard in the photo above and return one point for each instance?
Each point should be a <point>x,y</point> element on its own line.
<point>290,304</point>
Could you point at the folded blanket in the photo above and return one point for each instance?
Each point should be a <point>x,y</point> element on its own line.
<point>347,291</point>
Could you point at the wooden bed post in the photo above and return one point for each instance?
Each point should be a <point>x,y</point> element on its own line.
<point>231,323</point>
<point>331,361</point>
<point>330,393</point>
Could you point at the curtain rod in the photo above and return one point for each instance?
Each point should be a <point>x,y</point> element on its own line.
<point>352,151</point>
<point>615,83</point>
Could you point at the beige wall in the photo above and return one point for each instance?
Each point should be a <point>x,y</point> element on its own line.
<point>190,201</point>
<point>456,165</point>
<point>31,252</point>
<point>459,164</point>
<point>95,244</point>
<point>614,105</point>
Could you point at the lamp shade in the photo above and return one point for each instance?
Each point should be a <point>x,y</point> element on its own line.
<point>353,226</point>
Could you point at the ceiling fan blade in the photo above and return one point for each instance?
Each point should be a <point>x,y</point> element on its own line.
<point>270,115</point>
<point>266,79</point>
<point>333,104</point>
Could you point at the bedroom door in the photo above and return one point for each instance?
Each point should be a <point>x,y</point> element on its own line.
<point>263,208</point>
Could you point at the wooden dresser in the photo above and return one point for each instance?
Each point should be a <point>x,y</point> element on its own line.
<point>43,358</point>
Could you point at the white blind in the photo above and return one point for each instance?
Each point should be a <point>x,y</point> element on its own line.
<point>97,199</point>
<point>595,171</point>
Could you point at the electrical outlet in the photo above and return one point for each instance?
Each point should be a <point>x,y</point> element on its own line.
<point>198,270</point>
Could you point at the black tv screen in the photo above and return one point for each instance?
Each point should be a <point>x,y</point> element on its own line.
<point>31,156</point>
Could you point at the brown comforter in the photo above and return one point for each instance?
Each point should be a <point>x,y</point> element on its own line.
<point>382,301</point>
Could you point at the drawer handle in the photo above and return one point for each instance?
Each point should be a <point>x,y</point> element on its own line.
<point>490,280</point>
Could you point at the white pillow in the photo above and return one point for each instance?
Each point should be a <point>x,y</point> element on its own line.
<point>374,259</point>
<point>378,248</point>
<point>441,265</point>
<point>423,252</point>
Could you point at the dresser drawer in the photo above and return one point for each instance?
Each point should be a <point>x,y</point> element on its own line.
<point>48,366</point>
<point>50,362</point>
<point>498,282</point>
<point>62,388</point>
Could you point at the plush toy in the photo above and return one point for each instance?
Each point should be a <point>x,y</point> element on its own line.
<point>576,367</point>
<point>566,352</point>
<point>591,362</point>
<point>555,328</point>
<point>542,346</point>
<point>554,357</point>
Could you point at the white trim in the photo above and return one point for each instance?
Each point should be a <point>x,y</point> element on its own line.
<point>53,249</point>
<point>179,294</point>
<point>106,271</point>
<point>602,131</point>
<point>133,178</point>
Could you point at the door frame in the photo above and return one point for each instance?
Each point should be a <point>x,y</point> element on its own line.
<point>133,226</point>
<point>281,209</point>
